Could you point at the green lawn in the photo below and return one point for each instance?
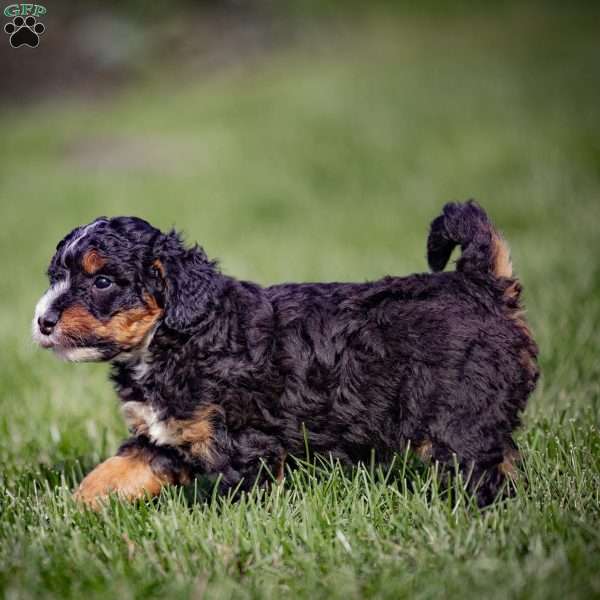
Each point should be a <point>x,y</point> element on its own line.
<point>323,162</point>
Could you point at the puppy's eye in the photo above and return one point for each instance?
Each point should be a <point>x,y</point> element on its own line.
<point>102,282</point>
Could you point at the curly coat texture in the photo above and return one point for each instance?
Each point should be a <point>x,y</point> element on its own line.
<point>230,377</point>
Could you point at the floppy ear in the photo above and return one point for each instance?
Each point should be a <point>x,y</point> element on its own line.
<point>189,282</point>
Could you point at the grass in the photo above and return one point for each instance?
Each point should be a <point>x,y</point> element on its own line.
<point>318,163</point>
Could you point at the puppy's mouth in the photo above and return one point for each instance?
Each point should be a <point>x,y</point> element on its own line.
<point>74,351</point>
<point>45,342</point>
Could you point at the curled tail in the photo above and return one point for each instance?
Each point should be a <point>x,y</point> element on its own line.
<point>483,250</point>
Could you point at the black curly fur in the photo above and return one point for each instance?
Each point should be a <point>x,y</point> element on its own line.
<point>347,368</point>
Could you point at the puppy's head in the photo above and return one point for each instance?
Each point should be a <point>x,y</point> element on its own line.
<point>113,282</point>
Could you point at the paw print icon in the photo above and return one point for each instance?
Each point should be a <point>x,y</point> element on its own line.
<point>24,32</point>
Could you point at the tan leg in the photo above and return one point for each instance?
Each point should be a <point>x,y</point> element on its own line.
<point>130,476</point>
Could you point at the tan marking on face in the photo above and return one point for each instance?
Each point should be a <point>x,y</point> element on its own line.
<point>92,262</point>
<point>502,265</point>
<point>77,321</point>
<point>129,476</point>
<point>127,328</point>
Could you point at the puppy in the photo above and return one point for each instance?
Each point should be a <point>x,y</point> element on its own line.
<point>226,377</point>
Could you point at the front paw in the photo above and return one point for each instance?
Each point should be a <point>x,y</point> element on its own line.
<point>129,477</point>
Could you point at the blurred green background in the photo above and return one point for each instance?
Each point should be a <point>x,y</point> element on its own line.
<point>305,141</point>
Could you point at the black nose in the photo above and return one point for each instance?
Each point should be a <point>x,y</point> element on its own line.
<point>47,322</point>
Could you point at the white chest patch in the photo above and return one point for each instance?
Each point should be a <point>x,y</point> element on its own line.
<point>142,419</point>
<point>193,435</point>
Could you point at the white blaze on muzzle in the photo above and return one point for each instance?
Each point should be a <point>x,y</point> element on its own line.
<point>44,304</point>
